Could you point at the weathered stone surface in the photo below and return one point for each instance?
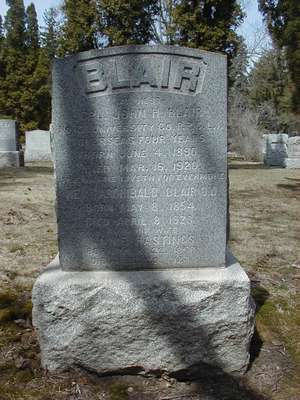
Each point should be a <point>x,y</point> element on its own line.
<point>38,146</point>
<point>108,321</point>
<point>276,150</point>
<point>139,136</point>
<point>9,154</point>
<point>8,135</point>
<point>293,160</point>
<point>9,159</point>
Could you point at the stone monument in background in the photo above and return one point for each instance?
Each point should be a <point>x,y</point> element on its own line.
<point>293,148</point>
<point>38,146</point>
<point>9,144</point>
<point>276,150</point>
<point>143,281</point>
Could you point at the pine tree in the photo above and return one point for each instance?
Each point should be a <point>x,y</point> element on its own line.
<point>128,22</point>
<point>24,86</point>
<point>207,24</point>
<point>41,86</point>
<point>80,26</point>
<point>32,28</point>
<point>36,99</point>
<point>51,31</point>
<point>15,24</point>
<point>2,68</point>
<point>270,94</point>
<point>13,61</point>
<point>283,20</point>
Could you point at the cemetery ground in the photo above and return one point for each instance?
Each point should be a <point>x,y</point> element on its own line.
<point>265,237</point>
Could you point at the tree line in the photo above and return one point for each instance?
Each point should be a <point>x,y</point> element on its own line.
<point>265,98</point>
<point>27,50</point>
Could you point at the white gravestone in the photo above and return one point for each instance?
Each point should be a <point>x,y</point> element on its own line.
<point>293,146</point>
<point>9,147</point>
<point>38,146</point>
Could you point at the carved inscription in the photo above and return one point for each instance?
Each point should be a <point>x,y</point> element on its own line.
<point>151,73</point>
<point>141,160</point>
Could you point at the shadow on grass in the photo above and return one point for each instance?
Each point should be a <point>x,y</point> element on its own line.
<point>293,179</point>
<point>260,295</point>
<point>294,187</point>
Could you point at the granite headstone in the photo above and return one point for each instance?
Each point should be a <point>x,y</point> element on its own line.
<point>276,150</point>
<point>38,146</point>
<point>139,135</point>
<point>9,146</point>
<point>140,148</point>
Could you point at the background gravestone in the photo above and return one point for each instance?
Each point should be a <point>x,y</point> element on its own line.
<point>140,145</point>
<point>276,150</point>
<point>293,148</point>
<point>9,146</point>
<point>264,146</point>
<point>37,146</point>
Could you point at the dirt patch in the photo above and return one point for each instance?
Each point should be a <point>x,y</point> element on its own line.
<point>265,237</point>
<point>28,225</point>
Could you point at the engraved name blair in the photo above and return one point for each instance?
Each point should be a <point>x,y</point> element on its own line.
<point>140,72</point>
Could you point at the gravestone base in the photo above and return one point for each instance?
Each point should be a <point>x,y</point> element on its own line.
<point>9,159</point>
<point>275,162</point>
<point>162,320</point>
<point>37,156</point>
<point>293,163</point>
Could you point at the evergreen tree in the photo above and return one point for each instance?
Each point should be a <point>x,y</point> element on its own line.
<point>128,22</point>
<point>50,35</point>
<point>41,87</point>
<point>2,67</point>
<point>283,20</point>
<point>13,62</point>
<point>207,24</point>
<point>270,94</point>
<point>32,28</point>
<point>80,26</point>
<point>15,24</point>
<point>24,86</point>
<point>36,99</point>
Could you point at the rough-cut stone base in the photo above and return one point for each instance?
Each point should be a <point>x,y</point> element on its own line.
<point>293,162</point>
<point>166,320</point>
<point>9,159</point>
